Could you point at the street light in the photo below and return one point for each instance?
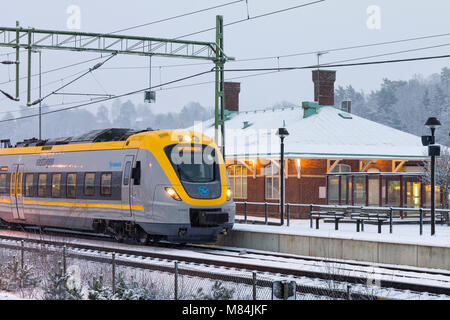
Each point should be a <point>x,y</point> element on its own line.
<point>433,151</point>
<point>282,133</point>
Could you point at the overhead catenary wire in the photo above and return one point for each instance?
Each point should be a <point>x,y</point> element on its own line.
<point>178,16</point>
<point>252,18</point>
<point>98,65</point>
<point>268,70</point>
<point>111,98</point>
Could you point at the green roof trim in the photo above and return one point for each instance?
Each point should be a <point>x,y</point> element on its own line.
<point>345,116</point>
<point>332,154</point>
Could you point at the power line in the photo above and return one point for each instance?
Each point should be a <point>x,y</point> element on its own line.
<point>54,70</point>
<point>110,98</point>
<point>252,18</point>
<point>178,16</point>
<point>331,65</point>
<point>98,65</point>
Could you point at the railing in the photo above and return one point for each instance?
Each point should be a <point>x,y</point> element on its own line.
<point>390,211</point>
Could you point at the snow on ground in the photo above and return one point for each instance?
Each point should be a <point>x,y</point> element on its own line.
<point>9,296</point>
<point>401,233</point>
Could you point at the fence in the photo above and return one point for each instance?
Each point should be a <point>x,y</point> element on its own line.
<point>162,280</point>
<point>420,214</point>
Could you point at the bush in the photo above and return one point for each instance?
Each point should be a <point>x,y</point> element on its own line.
<point>217,292</point>
<point>14,276</point>
<point>57,288</point>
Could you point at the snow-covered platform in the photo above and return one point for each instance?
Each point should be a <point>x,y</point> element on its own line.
<point>404,246</point>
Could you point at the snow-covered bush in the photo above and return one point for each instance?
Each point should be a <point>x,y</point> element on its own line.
<point>217,292</point>
<point>13,276</point>
<point>56,286</point>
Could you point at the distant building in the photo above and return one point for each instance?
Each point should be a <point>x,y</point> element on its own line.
<point>332,156</point>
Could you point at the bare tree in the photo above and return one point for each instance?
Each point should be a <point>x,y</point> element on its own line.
<point>442,174</point>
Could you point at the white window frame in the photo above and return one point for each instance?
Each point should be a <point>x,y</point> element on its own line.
<point>242,177</point>
<point>269,175</point>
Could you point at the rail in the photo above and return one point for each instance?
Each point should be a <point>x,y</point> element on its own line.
<point>441,214</point>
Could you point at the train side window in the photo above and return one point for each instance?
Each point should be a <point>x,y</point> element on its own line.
<point>89,184</point>
<point>3,178</point>
<point>126,177</point>
<point>42,185</point>
<point>71,190</point>
<point>56,185</point>
<point>105,184</point>
<point>29,184</point>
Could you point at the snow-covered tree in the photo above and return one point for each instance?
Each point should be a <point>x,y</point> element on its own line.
<point>442,174</point>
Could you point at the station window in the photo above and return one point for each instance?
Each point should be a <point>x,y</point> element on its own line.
<point>42,185</point>
<point>238,180</point>
<point>360,191</point>
<point>333,190</point>
<point>3,188</point>
<point>272,177</point>
<point>89,184</point>
<point>71,190</point>
<point>29,184</point>
<point>56,185</point>
<point>105,184</point>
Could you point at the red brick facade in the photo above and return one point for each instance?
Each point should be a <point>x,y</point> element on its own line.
<point>304,190</point>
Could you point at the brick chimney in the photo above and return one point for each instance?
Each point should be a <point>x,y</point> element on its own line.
<point>232,90</point>
<point>326,85</point>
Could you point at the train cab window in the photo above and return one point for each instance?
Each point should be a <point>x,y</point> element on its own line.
<point>56,185</point>
<point>105,184</point>
<point>89,184</point>
<point>71,190</point>
<point>126,177</point>
<point>3,188</point>
<point>29,184</point>
<point>42,185</point>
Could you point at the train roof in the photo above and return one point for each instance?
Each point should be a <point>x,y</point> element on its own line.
<point>101,135</point>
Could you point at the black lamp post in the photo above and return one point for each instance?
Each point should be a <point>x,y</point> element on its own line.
<point>282,133</point>
<point>433,151</point>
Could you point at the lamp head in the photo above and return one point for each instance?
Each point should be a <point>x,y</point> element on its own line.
<point>432,123</point>
<point>282,133</point>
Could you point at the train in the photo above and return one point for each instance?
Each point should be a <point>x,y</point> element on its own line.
<point>147,186</point>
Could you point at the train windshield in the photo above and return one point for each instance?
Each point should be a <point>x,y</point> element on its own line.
<point>194,163</point>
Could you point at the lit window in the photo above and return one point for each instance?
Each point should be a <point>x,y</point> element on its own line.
<point>42,185</point>
<point>272,177</point>
<point>3,183</point>
<point>29,185</point>
<point>105,185</point>
<point>56,185</point>
<point>71,185</point>
<point>89,184</point>
<point>238,180</point>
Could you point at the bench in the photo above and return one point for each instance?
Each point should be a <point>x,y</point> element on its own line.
<point>361,217</point>
<point>335,215</point>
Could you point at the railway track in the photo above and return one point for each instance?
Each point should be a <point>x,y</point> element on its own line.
<point>234,265</point>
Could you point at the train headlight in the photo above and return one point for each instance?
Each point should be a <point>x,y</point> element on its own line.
<point>172,193</point>
<point>229,193</point>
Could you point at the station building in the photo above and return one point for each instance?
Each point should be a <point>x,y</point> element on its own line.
<point>331,155</point>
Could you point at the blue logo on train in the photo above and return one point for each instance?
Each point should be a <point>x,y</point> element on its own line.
<point>203,191</point>
<point>115,164</point>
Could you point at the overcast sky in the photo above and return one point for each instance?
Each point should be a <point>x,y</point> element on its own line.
<point>327,25</point>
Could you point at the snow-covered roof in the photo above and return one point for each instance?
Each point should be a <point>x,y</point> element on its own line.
<point>329,134</point>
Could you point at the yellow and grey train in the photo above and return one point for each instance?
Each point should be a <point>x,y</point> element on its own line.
<point>149,185</point>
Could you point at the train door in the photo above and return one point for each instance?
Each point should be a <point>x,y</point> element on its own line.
<point>15,192</point>
<point>127,184</point>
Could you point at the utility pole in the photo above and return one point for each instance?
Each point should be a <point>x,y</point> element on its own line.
<point>219,114</point>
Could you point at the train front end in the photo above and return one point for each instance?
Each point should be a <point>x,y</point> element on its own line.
<point>192,199</point>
